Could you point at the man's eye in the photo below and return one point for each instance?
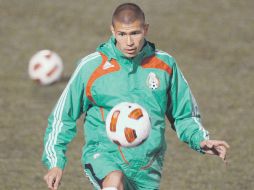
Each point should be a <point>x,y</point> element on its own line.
<point>121,34</point>
<point>135,33</point>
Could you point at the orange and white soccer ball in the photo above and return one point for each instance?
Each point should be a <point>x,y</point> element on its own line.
<point>128,124</point>
<point>45,67</point>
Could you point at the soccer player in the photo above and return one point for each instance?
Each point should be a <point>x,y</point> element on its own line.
<point>127,68</point>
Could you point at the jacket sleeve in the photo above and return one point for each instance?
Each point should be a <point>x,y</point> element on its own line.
<point>183,113</point>
<point>62,121</point>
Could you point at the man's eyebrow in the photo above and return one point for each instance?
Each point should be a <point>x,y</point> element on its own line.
<point>134,31</point>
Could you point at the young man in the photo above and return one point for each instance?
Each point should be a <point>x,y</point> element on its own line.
<point>120,71</point>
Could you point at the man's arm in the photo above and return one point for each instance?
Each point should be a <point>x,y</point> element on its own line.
<point>183,113</point>
<point>62,122</point>
<point>62,129</point>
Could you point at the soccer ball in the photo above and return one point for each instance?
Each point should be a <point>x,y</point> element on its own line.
<point>45,67</point>
<point>128,124</point>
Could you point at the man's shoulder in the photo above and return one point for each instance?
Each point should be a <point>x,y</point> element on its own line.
<point>90,59</point>
<point>162,53</point>
<point>165,57</point>
<point>89,62</point>
<point>86,65</point>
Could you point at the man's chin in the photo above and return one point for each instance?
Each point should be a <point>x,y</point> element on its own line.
<point>130,55</point>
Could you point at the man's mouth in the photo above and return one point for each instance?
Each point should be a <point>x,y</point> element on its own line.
<point>130,50</point>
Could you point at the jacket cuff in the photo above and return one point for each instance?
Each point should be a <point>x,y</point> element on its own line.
<point>60,164</point>
<point>197,139</point>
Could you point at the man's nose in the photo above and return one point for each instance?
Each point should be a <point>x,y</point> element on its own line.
<point>129,40</point>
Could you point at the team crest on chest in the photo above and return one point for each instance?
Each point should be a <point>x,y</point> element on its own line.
<point>152,81</point>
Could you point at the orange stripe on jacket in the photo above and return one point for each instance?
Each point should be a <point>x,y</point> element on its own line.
<point>154,62</point>
<point>100,71</point>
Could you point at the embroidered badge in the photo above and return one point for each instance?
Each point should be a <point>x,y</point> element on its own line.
<point>152,81</point>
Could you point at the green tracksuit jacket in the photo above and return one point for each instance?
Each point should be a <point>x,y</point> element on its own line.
<point>106,78</point>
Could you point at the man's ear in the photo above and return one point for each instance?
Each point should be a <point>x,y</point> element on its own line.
<point>146,27</point>
<point>112,30</point>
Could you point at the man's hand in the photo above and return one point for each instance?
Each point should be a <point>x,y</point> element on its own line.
<point>215,147</point>
<point>53,178</point>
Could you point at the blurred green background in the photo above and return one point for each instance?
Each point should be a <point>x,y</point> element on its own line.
<point>213,43</point>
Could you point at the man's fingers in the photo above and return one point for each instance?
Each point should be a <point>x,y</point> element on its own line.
<point>209,144</point>
<point>223,152</point>
<point>220,143</point>
<point>215,143</point>
<point>45,178</point>
<point>57,182</point>
<point>219,151</point>
<point>222,149</point>
<point>215,147</point>
<point>50,180</point>
<point>226,144</point>
<point>209,152</point>
<point>53,178</point>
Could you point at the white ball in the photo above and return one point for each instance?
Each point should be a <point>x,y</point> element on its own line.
<point>46,67</point>
<point>128,124</point>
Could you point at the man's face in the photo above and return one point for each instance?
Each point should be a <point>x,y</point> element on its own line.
<point>129,37</point>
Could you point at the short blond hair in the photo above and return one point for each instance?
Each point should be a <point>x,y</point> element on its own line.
<point>128,13</point>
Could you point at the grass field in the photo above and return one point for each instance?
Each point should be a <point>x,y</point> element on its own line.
<point>213,42</point>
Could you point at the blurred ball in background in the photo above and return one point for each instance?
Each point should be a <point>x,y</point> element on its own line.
<point>45,67</point>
